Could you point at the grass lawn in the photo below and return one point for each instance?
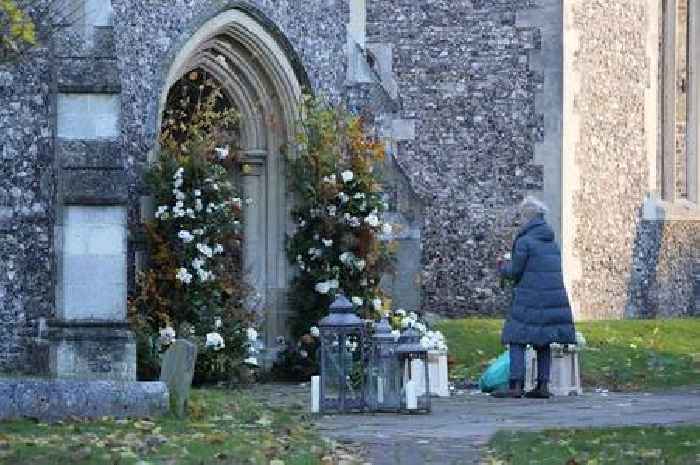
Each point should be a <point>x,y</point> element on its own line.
<point>617,446</point>
<point>224,428</point>
<point>620,355</point>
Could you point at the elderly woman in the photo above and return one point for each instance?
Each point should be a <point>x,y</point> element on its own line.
<point>540,314</point>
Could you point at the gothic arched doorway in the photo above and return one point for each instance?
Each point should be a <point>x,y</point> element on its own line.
<point>257,77</point>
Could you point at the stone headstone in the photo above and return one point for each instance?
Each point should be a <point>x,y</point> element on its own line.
<point>177,371</point>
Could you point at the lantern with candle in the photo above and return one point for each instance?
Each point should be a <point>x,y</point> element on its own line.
<point>384,380</point>
<point>413,360</point>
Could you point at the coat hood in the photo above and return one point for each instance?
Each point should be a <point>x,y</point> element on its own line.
<point>538,229</point>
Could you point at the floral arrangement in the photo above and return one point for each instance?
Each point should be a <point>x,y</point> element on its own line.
<point>431,339</point>
<point>193,286</point>
<point>338,216</point>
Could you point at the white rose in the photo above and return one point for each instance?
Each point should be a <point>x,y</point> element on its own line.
<point>347,176</point>
<point>215,341</point>
<point>358,301</point>
<point>360,265</point>
<point>323,288</point>
<point>314,331</point>
<point>372,220</point>
<point>183,276</point>
<point>222,152</point>
<point>377,303</point>
<point>400,312</point>
<point>344,198</point>
<point>327,242</point>
<point>252,334</point>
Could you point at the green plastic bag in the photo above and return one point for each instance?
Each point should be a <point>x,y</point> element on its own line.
<point>496,375</point>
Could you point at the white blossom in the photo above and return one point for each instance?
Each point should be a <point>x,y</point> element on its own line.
<point>396,333</point>
<point>344,198</point>
<point>186,236</point>
<point>327,242</point>
<point>198,205</point>
<point>198,232</point>
<point>251,334</point>
<point>346,258</point>
<point>359,196</point>
<point>218,323</point>
<point>161,212</point>
<point>372,220</point>
<point>400,312</point>
<point>347,176</point>
<point>183,276</point>
<point>197,193</point>
<point>331,210</point>
<point>358,301</point>
<point>253,361</point>
<point>218,249</point>
<point>377,303</point>
<point>314,331</point>
<point>323,287</point>
<point>215,341</point>
<point>205,250</point>
<point>222,152</point>
<point>360,265</point>
<point>329,179</point>
<point>167,336</point>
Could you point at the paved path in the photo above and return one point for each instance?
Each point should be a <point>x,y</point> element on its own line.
<point>460,425</point>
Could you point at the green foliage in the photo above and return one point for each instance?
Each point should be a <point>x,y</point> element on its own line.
<point>17,30</point>
<point>613,446</point>
<point>338,216</point>
<point>227,427</point>
<point>193,282</point>
<point>619,355</point>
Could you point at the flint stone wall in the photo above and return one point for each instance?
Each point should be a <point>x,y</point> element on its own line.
<point>465,78</point>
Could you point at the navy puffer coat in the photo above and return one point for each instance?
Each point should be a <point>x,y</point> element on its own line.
<point>541,313</point>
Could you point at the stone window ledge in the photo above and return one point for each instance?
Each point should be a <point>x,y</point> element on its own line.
<point>679,210</point>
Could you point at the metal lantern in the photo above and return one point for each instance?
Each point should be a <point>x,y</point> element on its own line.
<point>384,380</point>
<point>413,358</point>
<point>342,383</point>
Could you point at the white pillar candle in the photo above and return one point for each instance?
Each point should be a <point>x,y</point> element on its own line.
<point>380,389</point>
<point>315,394</point>
<point>411,398</point>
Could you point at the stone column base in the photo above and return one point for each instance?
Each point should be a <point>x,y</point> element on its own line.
<point>90,350</point>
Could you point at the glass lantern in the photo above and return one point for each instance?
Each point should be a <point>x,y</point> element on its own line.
<point>342,383</point>
<point>384,380</point>
<point>415,385</point>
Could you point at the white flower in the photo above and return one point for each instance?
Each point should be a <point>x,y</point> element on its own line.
<point>420,327</point>
<point>205,250</point>
<point>177,183</point>
<point>372,220</point>
<point>331,210</point>
<point>251,361</point>
<point>355,222</point>
<point>413,316</point>
<point>329,179</point>
<point>197,193</point>
<point>315,253</point>
<point>407,322</point>
<point>183,276</point>
<point>251,334</point>
<point>218,249</point>
<point>396,333</point>
<point>507,256</point>
<point>163,210</point>
<point>377,303</point>
<point>386,229</point>
<point>218,323</point>
<point>358,301</point>
<point>359,196</point>
<point>360,264</point>
<point>400,312</point>
<point>314,331</point>
<point>303,353</point>
<point>215,341</point>
<point>346,258</point>
<point>323,288</point>
<point>179,195</point>
<point>167,336</point>
<point>327,242</point>
<point>190,213</point>
<point>344,198</point>
<point>198,205</point>
<point>222,152</point>
<point>347,176</point>
<point>197,263</point>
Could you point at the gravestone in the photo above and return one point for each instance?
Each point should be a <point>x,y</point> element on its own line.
<point>177,371</point>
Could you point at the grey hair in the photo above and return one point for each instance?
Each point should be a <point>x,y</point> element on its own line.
<point>531,207</point>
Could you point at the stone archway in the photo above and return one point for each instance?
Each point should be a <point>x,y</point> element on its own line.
<point>258,77</point>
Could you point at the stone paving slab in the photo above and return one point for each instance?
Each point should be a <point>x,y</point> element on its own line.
<point>462,424</point>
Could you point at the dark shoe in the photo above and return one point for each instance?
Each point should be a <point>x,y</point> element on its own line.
<point>540,392</point>
<point>514,391</point>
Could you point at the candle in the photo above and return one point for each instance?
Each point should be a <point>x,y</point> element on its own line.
<point>380,389</point>
<point>411,398</point>
<point>315,394</point>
